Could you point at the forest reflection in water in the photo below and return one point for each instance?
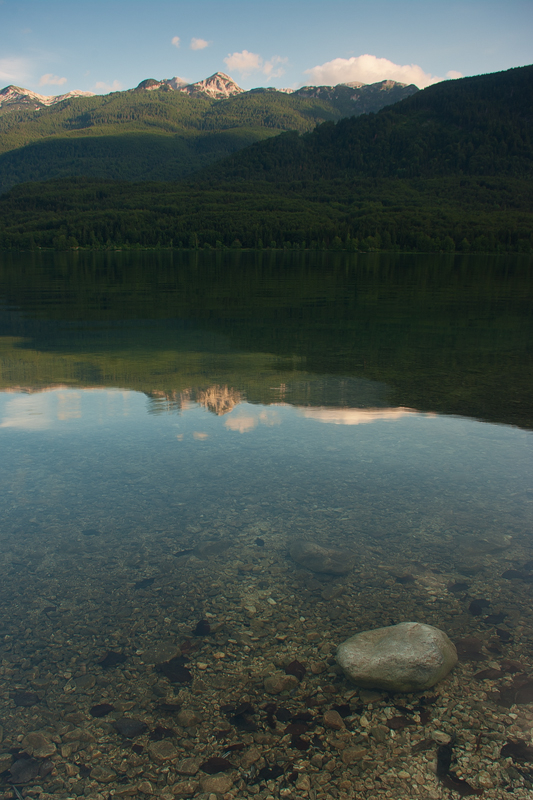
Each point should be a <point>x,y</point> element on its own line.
<point>158,468</point>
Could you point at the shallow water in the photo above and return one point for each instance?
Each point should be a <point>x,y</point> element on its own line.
<point>170,427</point>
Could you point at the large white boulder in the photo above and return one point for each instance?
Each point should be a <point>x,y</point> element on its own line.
<point>409,657</point>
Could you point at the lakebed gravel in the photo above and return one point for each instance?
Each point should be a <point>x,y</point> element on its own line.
<point>143,667</point>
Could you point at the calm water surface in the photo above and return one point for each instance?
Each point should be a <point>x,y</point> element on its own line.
<point>171,426</point>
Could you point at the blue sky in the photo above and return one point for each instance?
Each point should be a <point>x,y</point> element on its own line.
<point>53,46</point>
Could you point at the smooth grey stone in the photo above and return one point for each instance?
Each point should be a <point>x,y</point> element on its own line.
<point>409,657</point>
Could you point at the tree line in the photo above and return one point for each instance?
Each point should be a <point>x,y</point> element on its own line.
<point>439,215</point>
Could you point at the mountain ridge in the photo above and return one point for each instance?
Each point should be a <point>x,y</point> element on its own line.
<point>218,86</point>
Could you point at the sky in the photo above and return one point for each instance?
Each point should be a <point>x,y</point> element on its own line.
<point>53,47</point>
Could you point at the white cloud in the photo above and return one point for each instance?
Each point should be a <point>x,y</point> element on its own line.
<point>13,70</point>
<point>176,41</point>
<point>371,69</point>
<point>453,74</point>
<point>51,80</point>
<point>101,86</point>
<point>199,44</point>
<point>246,63</point>
<point>268,67</point>
<point>243,62</point>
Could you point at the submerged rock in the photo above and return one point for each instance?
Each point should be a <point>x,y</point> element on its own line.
<point>217,784</point>
<point>25,699</point>
<point>409,657</point>
<point>24,770</point>
<point>129,727</point>
<point>280,682</point>
<point>316,558</point>
<point>163,751</point>
<point>38,745</point>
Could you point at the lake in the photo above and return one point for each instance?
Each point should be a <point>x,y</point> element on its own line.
<point>175,428</point>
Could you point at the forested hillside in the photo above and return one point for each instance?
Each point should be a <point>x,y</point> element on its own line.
<point>162,134</point>
<point>473,126</point>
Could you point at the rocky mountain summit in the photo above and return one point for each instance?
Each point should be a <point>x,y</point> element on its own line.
<point>363,97</point>
<point>15,98</point>
<point>218,86</point>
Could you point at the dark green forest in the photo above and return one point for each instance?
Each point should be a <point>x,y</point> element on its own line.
<point>464,214</point>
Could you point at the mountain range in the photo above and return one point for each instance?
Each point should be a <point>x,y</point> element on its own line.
<point>446,169</point>
<point>162,130</point>
<point>220,87</point>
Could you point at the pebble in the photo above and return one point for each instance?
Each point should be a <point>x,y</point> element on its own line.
<point>219,784</point>
<point>103,774</point>
<point>332,719</point>
<point>38,745</point>
<point>184,788</point>
<point>163,750</point>
<point>440,737</point>
<point>280,682</point>
<point>351,754</point>
<point>187,718</point>
<point>189,766</point>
